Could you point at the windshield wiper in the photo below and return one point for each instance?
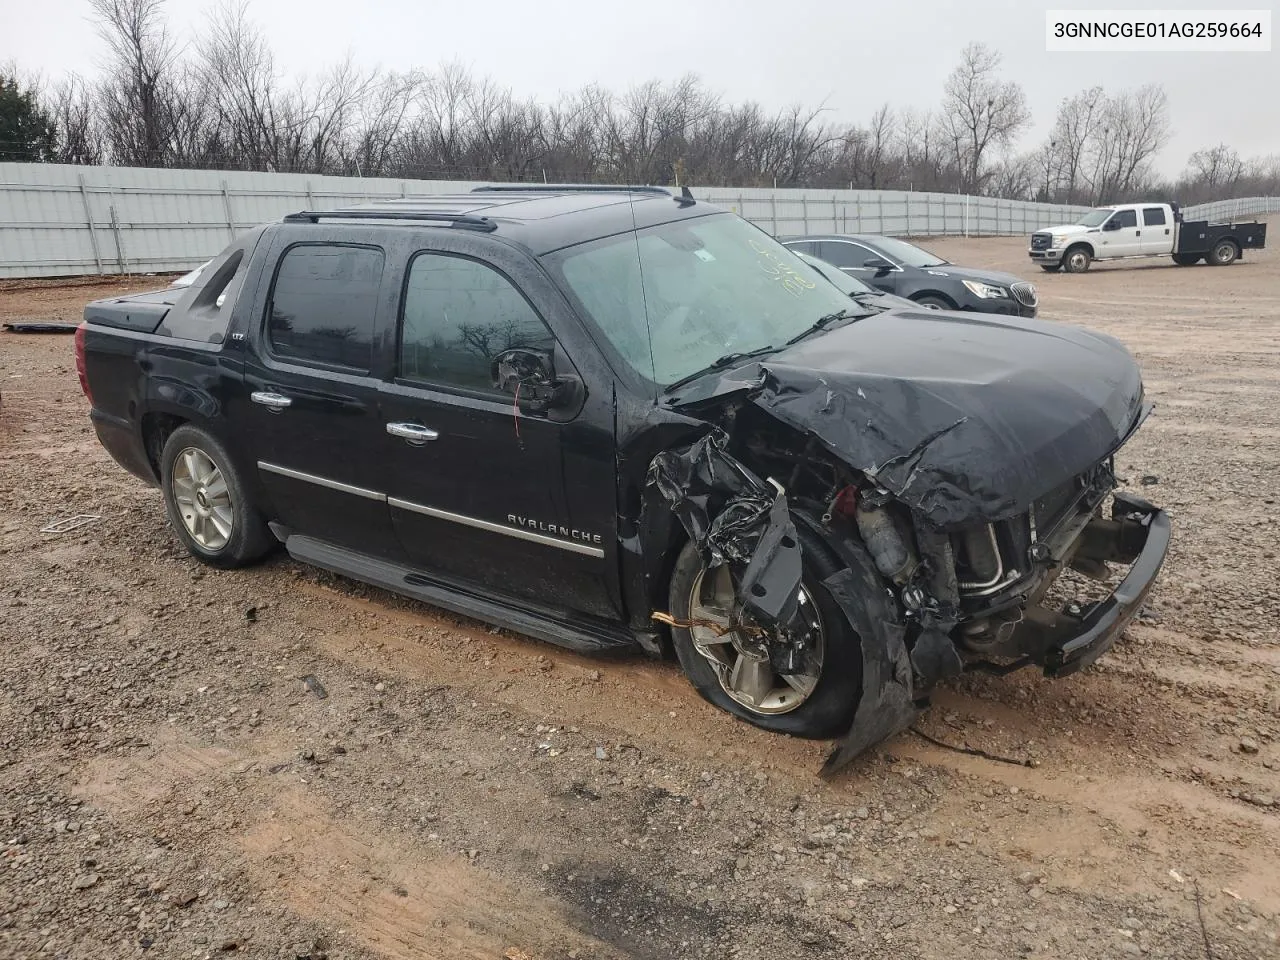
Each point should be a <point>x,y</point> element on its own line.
<point>825,321</point>
<point>719,364</point>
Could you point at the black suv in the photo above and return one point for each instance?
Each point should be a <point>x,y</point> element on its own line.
<point>612,418</point>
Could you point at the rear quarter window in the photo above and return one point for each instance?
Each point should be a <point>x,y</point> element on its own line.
<point>323,303</point>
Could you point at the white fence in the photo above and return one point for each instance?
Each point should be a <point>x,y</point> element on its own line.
<point>60,220</point>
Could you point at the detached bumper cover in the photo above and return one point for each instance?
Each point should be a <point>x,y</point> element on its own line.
<point>1100,626</point>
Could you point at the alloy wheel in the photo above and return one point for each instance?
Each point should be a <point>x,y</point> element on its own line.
<point>741,660</point>
<point>204,502</point>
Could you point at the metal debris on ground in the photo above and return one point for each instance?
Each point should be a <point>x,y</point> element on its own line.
<point>970,751</point>
<point>68,524</point>
<point>39,326</point>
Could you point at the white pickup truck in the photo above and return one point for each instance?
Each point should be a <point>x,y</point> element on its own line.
<point>1128,230</point>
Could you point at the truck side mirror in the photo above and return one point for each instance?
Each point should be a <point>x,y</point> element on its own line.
<point>1112,224</point>
<point>529,376</point>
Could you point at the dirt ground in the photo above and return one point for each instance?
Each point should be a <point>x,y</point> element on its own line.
<point>171,787</point>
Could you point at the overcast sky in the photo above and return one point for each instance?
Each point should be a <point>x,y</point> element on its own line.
<point>851,55</point>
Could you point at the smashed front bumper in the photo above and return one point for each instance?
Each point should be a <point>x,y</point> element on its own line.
<point>1138,533</point>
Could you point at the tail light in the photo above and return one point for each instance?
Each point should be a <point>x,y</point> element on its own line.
<point>84,380</point>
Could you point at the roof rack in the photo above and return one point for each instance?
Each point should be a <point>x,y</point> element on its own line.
<point>568,188</point>
<point>464,220</point>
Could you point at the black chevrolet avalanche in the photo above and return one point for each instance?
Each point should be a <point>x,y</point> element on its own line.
<point>619,418</point>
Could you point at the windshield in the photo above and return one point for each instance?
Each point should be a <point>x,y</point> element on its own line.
<point>1096,218</point>
<point>675,298</point>
<point>849,286</point>
<point>907,254</point>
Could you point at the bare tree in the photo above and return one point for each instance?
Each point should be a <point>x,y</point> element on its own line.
<point>137,97</point>
<point>79,137</point>
<point>980,112</point>
<point>1073,133</point>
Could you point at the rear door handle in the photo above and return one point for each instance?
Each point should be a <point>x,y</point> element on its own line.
<point>275,402</point>
<point>415,433</point>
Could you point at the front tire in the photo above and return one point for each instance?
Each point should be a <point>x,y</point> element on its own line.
<point>1224,253</point>
<point>1076,260</point>
<point>935,303</point>
<point>825,709</point>
<point>208,502</point>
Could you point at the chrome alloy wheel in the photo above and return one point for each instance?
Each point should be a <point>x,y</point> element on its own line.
<point>200,491</point>
<point>1077,261</point>
<point>741,662</point>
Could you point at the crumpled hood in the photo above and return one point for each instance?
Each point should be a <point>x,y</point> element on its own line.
<point>967,418</point>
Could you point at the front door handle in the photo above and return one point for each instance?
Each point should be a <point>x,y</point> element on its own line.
<point>275,402</point>
<point>415,433</point>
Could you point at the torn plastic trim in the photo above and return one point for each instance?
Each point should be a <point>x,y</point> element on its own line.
<point>733,516</point>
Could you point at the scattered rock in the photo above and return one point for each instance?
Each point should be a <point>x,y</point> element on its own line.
<point>85,881</point>
<point>1248,745</point>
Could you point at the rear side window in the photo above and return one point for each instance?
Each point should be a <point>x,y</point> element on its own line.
<point>1153,216</point>
<point>459,315</point>
<point>1125,218</point>
<point>323,304</point>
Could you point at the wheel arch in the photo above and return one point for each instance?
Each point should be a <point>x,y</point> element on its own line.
<point>946,298</point>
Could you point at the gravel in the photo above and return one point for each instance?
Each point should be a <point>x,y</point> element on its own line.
<point>348,774</point>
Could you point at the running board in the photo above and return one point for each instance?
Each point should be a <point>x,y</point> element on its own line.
<point>584,638</point>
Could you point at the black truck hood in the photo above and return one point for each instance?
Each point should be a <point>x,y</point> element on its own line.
<point>966,418</point>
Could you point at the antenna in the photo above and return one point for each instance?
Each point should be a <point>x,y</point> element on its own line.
<point>644,296</point>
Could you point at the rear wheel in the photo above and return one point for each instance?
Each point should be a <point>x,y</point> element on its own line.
<point>208,503</point>
<point>1076,260</point>
<point>816,696</point>
<point>1186,259</point>
<point>1224,252</point>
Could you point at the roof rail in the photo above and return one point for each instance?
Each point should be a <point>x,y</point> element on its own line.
<point>464,220</point>
<point>568,188</point>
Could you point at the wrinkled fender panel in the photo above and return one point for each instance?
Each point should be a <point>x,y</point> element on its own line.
<point>888,705</point>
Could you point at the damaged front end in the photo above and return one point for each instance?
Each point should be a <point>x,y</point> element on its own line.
<point>948,531</point>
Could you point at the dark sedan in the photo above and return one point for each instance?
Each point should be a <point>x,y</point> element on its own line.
<point>905,270</point>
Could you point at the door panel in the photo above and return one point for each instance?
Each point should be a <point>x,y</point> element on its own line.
<point>1124,242</point>
<point>1157,231</point>
<point>513,504</point>
<point>312,419</point>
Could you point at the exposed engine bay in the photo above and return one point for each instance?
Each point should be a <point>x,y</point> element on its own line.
<point>965,592</point>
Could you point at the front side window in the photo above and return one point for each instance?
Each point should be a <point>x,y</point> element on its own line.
<point>459,314</point>
<point>1124,218</point>
<point>323,304</point>
<point>1153,216</point>
<point>901,252</point>
<point>674,298</point>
